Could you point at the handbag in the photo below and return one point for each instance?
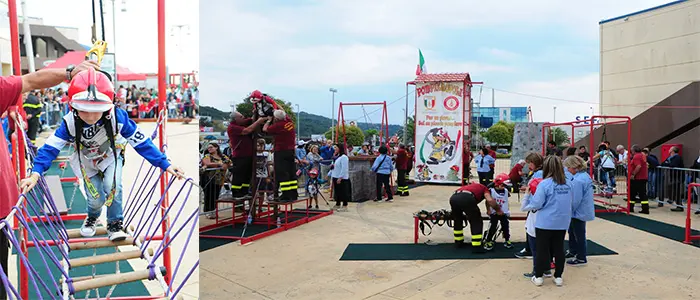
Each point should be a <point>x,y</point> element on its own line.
<point>380,164</point>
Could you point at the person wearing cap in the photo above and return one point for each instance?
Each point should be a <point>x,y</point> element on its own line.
<point>282,130</point>
<point>102,134</point>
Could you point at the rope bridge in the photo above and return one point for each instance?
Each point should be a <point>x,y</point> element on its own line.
<point>53,273</point>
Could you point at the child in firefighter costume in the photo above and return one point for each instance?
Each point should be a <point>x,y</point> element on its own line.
<point>263,105</point>
<point>103,132</point>
<point>499,192</point>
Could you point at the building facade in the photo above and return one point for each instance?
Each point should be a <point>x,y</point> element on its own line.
<point>650,71</point>
<point>487,116</point>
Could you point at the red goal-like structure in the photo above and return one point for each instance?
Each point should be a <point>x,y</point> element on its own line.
<point>383,129</point>
<point>603,198</point>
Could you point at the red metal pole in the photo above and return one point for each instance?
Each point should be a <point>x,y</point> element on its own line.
<point>629,170</point>
<point>161,132</point>
<point>19,153</point>
<point>465,102</point>
<point>590,149</point>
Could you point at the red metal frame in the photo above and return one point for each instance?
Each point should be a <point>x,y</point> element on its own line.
<point>264,217</point>
<point>384,128</point>
<point>591,124</point>
<point>466,98</point>
<point>689,238</point>
<point>18,147</point>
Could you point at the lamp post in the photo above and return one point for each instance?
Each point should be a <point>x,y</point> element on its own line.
<point>555,114</point>
<point>333,91</point>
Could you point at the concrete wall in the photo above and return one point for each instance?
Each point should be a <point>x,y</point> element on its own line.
<point>648,57</point>
<point>527,137</point>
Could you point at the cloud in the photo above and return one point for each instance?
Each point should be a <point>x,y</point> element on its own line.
<point>500,53</point>
<point>573,96</point>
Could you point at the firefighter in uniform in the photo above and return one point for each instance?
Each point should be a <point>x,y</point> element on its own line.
<point>32,105</point>
<point>465,205</point>
<point>402,168</point>
<point>409,163</point>
<point>467,157</point>
<point>241,144</point>
<point>284,154</point>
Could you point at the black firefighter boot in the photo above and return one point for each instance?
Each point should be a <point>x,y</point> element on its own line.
<point>645,208</point>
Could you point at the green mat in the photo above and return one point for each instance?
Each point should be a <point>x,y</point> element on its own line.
<point>79,206</point>
<point>669,231</point>
<point>447,251</point>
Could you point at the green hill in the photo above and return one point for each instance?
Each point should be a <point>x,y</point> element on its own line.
<point>309,123</point>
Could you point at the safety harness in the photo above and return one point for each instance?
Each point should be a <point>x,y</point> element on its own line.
<point>429,219</point>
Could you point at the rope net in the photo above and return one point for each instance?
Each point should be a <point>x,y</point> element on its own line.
<point>39,225</point>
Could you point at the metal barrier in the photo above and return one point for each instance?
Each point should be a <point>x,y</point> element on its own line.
<point>667,186</point>
<point>689,238</point>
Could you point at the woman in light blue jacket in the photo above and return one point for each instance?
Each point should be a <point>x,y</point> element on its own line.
<point>582,210</point>
<point>383,166</point>
<point>552,201</point>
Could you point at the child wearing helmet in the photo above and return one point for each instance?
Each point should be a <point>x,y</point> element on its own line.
<point>263,105</point>
<point>103,132</point>
<point>500,193</point>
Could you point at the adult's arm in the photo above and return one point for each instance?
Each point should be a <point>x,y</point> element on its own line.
<point>47,78</point>
<point>538,199</point>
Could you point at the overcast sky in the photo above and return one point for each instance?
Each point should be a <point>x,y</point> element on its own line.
<point>367,49</point>
<point>137,35</point>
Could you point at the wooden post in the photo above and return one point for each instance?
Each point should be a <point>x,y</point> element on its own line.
<point>105,258</point>
<point>113,279</point>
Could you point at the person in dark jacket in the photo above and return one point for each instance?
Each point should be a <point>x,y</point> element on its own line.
<point>696,166</point>
<point>32,106</point>
<point>674,184</point>
<point>652,184</point>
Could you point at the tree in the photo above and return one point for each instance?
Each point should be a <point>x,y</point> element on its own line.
<point>355,136</point>
<point>219,126</point>
<point>499,134</point>
<point>246,108</point>
<point>369,133</point>
<point>560,136</point>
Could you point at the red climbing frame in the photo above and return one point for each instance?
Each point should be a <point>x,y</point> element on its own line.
<point>591,124</point>
<point>18,143</point>
<point>383,130</point>
<point>689,238</point>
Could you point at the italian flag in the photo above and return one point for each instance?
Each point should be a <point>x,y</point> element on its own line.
<point>421,64</point>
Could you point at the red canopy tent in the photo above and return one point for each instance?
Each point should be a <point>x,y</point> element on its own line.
<point>75,57</point>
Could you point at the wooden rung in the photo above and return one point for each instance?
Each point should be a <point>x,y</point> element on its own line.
<point>105,258</point>
<point>75,233</point>
<point>100,244</point>
<point>81,278</point>
<point>114,279</point>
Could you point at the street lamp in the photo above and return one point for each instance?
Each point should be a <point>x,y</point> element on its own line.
<point>333,91</point>
<point>555,114</point>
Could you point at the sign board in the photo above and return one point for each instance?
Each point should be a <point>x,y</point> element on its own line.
<point>584,120</point>
<point>109,65</point>
<point>439,132</point>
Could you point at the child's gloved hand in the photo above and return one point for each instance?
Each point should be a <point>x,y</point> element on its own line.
<point>28,183</point>
<point>175,171</point>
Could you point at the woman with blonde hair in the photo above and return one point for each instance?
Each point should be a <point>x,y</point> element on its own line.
<point>582,210</point>
<point>552,201</point>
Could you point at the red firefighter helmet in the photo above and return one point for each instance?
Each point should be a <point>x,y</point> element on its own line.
<point>533,184</point>
<point>256,96</point>
<point>313,173</point>
<point>91,91</point>
<point>501,179</point>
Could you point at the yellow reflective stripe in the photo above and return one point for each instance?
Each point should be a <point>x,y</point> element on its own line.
<point>477,237</point>
<point>29,105</point>
<point>288,182</point>
<point>290,188</point>
<point>645,202</point>
<point>236,186</point>
<point>245,185</point>
<point>476,243</point>
<point>460,238</point>
<point>459,231</point>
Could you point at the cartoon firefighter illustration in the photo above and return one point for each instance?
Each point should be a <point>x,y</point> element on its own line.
<point>443,148</point>
<point>423,172</point>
